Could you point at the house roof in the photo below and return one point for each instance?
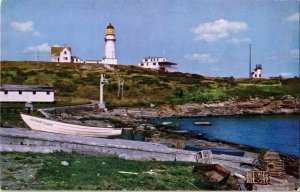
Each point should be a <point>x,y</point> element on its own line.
<point>58,50</point>
<point>154,57</point>
<point>167,63</point>
<point>12,87</point>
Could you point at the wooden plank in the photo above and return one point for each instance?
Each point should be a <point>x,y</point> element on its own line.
<point>235,159</point>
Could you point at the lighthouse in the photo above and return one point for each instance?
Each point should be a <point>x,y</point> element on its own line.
<point>110,51</point>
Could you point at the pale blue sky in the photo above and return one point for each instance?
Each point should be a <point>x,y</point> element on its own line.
<point>208,37</point>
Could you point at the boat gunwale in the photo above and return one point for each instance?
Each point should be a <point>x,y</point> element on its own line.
<point>62,122</point>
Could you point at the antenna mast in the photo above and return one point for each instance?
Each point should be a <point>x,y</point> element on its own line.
<point>249,60</point>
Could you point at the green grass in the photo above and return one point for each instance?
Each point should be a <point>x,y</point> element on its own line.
<point>142,86</point>
<point>75,85</point>
<point>95,173</point>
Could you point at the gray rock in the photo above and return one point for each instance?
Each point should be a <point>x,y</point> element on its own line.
<point>64,163</point>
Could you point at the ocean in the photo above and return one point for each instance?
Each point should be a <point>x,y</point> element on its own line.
<point>277,132</point>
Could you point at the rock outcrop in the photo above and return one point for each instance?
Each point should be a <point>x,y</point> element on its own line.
<point>252,106</point>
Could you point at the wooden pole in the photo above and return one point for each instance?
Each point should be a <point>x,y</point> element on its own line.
<point>250,61</point>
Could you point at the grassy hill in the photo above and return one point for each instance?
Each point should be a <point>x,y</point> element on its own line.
<point>79,83</point>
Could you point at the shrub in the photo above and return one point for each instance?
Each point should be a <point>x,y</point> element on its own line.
<point>112,87</point>
<point>93,79</point>
<point>64,86</point>
<point>178,92</point>
<point>144,80</point>
<point>88,92</point>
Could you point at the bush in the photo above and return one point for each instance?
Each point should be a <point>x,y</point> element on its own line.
<point>93,79</point>
<point>178,92</point>
<point>64,86</point>
<point>257,91</point>
<point>112,87</point>
<point>144,80</point>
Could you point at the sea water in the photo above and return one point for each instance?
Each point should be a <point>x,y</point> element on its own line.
<point>277,132</point>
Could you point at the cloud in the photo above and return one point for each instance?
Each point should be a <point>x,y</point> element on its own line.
<point>219,29</point>
<point>36,33</point>
<point>294,54</point>
<point>38,48</point>
<point>286,74</point>
<point>27,26</point>
<point>237,41</point>
<point>201,58</point>
<point>22,26</point>
<point>293,18</point>
<point>271,56</point>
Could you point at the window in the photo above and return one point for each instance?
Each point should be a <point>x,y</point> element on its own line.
<point>65,52</point>
<point>259,75</point>
<point>34,92</point>
<point>142,64</point>
<point>255,75</point>
<point>65,58</point>
<point>48,92</point>
<point>20,92</point>
<point>146,59</point>
<point>5,92</point>
<point>154,63</point>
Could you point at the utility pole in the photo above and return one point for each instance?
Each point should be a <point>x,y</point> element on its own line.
<point>121,88</point>
<point>102,82</point>
<point>250,61</point>
<point>37,55</point>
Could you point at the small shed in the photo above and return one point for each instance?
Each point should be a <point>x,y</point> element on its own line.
<point>271,162</point>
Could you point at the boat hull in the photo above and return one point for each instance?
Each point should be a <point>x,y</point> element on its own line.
<point>41,124</point>
<point>203,123</point>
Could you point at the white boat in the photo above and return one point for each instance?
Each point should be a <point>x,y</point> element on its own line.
<point>203,123</point>
<point>41,124</point>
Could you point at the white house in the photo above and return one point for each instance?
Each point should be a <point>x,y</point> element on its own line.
<point>158,63</point>
<point>61,54</point>
<point>257,71</point>
<point>76,59</point>
<point>26,93</point>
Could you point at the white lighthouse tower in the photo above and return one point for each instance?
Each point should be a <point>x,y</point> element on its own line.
<point>110,51</point>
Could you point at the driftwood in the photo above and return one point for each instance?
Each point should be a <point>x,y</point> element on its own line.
<point>217,173</point>
<point>213,172</point>
<point>235,159</point>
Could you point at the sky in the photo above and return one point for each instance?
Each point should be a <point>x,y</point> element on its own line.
<point>207,37</point>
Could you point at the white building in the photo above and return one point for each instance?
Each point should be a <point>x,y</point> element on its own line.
<point>76,59</point>
<point>26,93</point>
<point>61,54</point>
<point>257,71</point>
<point>110,51</point>
<point>158,63</point>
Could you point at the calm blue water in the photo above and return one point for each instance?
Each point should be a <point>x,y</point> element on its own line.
<point>277,132</point>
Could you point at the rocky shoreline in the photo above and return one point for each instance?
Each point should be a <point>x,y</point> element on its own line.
<point>252,106</point>
<point>137,117</point>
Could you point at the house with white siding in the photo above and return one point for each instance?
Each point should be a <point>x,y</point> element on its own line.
<point>61,54</point>
<point>257,72</point>
<point>158,63</point>
<point>26,93</point>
